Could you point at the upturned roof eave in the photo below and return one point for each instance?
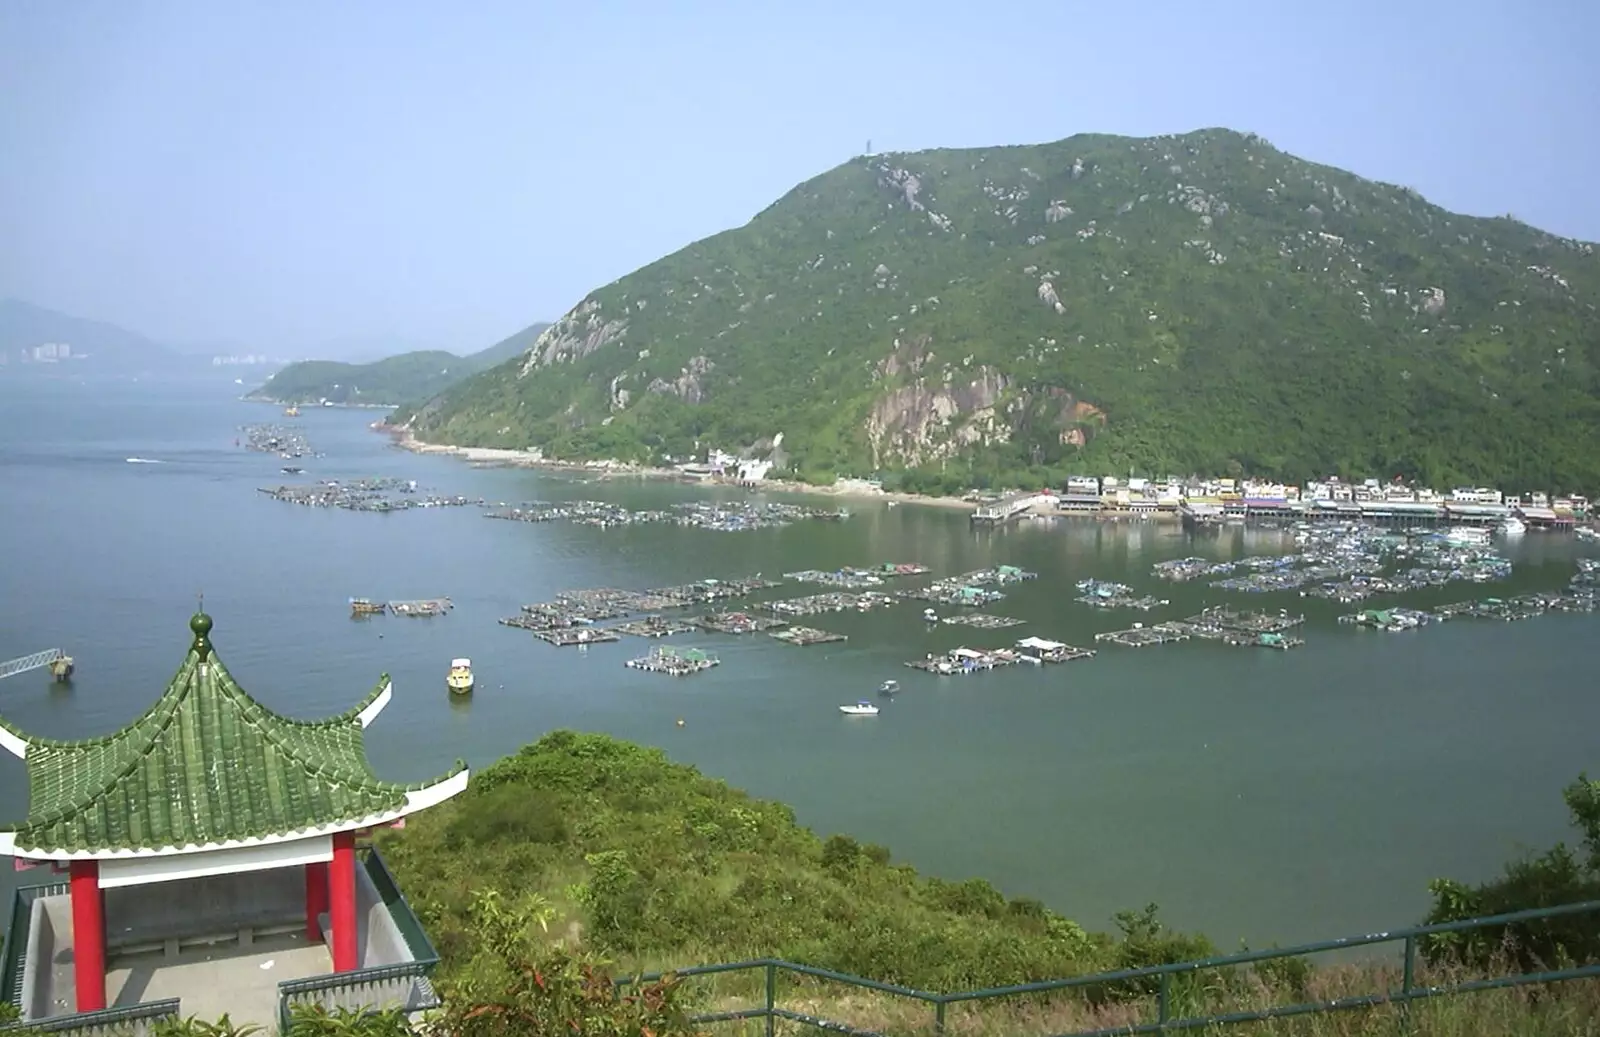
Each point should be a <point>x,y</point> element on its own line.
<point>417,798</point>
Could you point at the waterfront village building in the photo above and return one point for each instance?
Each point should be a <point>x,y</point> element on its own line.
<point>210,853</point>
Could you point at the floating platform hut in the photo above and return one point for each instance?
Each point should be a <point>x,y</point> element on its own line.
<point>578,636</point>
<point>737,623</point>
<point>367,607</point>
<point>1279,641</point>
<point>673,662</point>
<point>421,607</point>
<point>967,660</point>
<point>654,626</point>
<point>1037,649</point>
<point>806,636</point>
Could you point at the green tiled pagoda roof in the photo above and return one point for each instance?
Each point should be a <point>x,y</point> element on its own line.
<point>206,764</point>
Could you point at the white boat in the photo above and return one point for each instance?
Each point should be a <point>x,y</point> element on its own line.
<point>888,687</point>
<point>1513,527</point>
<point>930,615</point>
<point>860,709</point>
<point>459,680</point>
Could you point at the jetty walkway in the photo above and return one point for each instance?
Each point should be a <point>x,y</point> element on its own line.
<point>1010,507</point>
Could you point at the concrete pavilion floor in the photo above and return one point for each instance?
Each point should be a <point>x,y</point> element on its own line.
<point>209,981</point>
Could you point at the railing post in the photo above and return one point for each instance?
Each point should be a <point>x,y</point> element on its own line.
<point>1408,974</point>
<point>1162,1004</point>
<point>772,997</point>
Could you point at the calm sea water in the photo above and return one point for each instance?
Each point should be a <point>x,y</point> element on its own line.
<point>1257,795</point>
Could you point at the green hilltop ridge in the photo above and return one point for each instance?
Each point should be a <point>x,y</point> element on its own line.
<point>1200,302</point>
<point>416,375</point>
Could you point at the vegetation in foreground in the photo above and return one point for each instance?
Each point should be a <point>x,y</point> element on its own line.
<point>582,859</point>
<point>989,317</point>
<point>413,376</point>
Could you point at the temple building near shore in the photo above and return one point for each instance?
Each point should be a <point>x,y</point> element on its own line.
<point>209,852</point>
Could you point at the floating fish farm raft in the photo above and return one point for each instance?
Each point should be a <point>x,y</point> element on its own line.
<point>723,517</point>
<point>1142,637</point>
<point>674,662</point>
<point>287,441</point>
<point>806,636</point>
<point>833,601</point>
<point>578,636</point>
<point>983,621</point>
<point>421,607</point>
<point>737,623</point>
<point>967,660</point>
<point>654,626</point>
<point>1282,642</point>
<point>382,495</point>
<point>1103,594</point>
<point>367,607</point>
<point>852,578</point>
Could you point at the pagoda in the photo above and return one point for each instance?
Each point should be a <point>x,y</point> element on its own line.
<point>206,785</point>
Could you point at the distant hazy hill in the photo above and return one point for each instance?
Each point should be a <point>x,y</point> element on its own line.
<point>390,381</point>
<point>1195,302</point>
<point>92,346</point>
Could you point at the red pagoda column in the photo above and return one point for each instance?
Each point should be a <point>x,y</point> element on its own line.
<point>88,936</point>
<point>342,894</point>
<point>316,899</point>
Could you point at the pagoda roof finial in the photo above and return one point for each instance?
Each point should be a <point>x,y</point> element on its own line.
<point>200,623</point>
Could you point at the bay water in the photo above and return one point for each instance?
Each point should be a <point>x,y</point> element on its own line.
<point>1256,795</point>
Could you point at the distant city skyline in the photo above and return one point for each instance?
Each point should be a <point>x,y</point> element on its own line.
<point>285,178</point>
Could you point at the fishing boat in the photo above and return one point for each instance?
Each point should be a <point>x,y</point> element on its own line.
<point>460,679</point>
<point>291,411</point>
<point>290,469</point>
<point>1513,527</point>
<point>888,687</point>
<point>860,709</point>
<point>930,615</point>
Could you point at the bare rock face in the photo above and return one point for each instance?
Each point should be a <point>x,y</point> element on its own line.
<point>582,331</point>
<point>689,386</point>
<point>1057,211</point>
<point>927,421</point>
<point>1047,295</point>
<point>902,181</point>
<point>1433,302</point>
<point>909,357</point>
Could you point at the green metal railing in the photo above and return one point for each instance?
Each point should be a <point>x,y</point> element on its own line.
<point>126,1021</point>
<point>379,984</point>
<point>16,940</point>
<point>1163,978</point>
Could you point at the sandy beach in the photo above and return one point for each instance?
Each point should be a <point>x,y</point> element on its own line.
<point>851,489</point>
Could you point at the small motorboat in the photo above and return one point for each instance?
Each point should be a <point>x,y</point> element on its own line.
<point>930,615</point>
<point>888,687</point>
<point>860,709</point>
<point>290,469</point>
<point>459,680</point>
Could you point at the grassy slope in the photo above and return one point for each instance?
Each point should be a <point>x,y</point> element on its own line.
<point>1306,346</point>
<point>656,866</point>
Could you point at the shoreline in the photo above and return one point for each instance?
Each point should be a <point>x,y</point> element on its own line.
<point>506,458</point>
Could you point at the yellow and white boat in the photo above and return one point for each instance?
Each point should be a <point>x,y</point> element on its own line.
<point>291,411</point>
<point>460,679</point>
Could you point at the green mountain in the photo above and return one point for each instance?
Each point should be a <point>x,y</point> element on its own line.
<point>1198,302</point>
<point>33,337</point>
<point>416,375</point>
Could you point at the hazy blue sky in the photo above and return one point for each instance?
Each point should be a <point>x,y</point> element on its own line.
<point>287,173</point>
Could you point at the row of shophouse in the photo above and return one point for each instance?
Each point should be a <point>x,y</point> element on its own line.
<point>1332,497</point>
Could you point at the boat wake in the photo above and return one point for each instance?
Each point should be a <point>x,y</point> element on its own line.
<point>144,460</point>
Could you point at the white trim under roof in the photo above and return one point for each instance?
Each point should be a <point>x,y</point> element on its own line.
<point>143,870</point>
<point>368,715</point>
<point>419,799</point>
<point>17,747</point>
